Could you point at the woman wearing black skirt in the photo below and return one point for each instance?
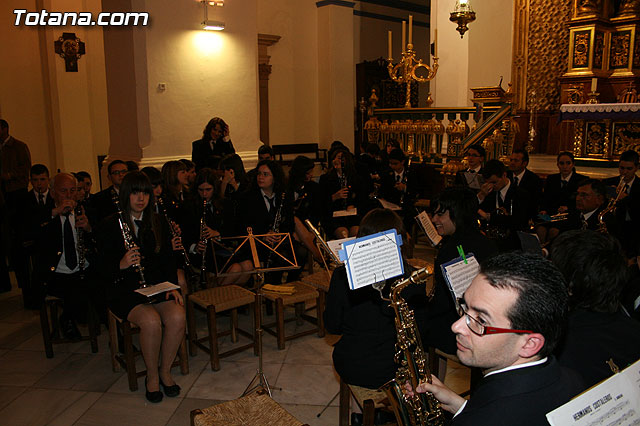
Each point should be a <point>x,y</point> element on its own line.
<point>153,251</point>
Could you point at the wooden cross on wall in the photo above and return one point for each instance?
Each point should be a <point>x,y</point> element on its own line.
<point>70,48</point>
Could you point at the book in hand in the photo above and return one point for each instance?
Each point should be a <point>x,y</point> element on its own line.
<point>348,212</point>
<point>389,205</point>
<point>427,227</point>
<point>162,287</point>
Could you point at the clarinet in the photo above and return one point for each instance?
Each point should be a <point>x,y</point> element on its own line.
<point>277,221</point>
<point>82,255</point>
<point>129,243</point>
<point>163,212</point>
<point>343,181</point>
<point>203,239</point>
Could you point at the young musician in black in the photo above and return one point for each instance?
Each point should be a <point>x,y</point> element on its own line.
<point>152,249</point>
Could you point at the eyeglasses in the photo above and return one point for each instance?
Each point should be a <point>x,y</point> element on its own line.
<point>474,155</point>
<point>477,326</point>
<point>119,172</point>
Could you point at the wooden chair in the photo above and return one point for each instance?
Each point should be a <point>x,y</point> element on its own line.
<point>438,366</point>
<point>126,357</point>
<point>256,409</point>
<point>303,293</point>
<point>50,324</point>
<point>368,400</point>
<point>214,301</point>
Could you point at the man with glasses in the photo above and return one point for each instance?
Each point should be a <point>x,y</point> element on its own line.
<point>472,176</point>
<point>102,202</point>
<point>512,316</point>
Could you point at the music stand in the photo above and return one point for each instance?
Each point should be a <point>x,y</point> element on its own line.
<point>260,379</point>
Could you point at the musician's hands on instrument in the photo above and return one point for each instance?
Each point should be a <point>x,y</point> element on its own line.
<point>343,193</point>
<point>563,209</point>
<point>449,400</point>
<point>82,222</point>
<point>177,297</point>
<point>130,258</point>
<point>272,239</point>
<point>176,228</point>
<point>201,246</point>
<point>484,215</point>
<point>401,186</point>
<point>176,243</point>
<point>210,233</point>
<point>64,208</point>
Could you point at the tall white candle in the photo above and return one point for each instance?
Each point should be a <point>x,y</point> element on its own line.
<point>594,84</point>
<point>435,44</point>
<point>390,56</point>
<point>404,35</point>
<point>410,29</point>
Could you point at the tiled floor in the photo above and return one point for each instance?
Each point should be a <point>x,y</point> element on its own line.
<point>77,387</point>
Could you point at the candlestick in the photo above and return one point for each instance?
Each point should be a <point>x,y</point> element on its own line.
<point>435,44</point>
<point>404,35</point>
<point>410,29</point>
<point>594,84</point>
<point>390,56</point>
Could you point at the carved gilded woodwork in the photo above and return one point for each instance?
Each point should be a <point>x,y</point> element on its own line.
<point>620,49</point>
<point>626,136</point>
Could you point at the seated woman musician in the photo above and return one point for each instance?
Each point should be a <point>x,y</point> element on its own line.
<point>204,225</point>
<point>342,189</point>
<point>364,356</point>
<point>455,219</point>
<point>234,177</point>
<point>267,209</point>
<point>151,244</point>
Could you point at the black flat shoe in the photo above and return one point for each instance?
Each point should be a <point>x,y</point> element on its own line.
<point>153,397</point>
<point>170,391</point>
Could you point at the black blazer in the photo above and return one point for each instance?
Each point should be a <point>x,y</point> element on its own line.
<point>102,204</point>
<point>204,156</point>
<point>461,180</point>
<point>517,202</point>
<point>391,194</point>
<point>520,397</point>
<point>531,183</point>
<point>555,195</point>
<point>34,215</point>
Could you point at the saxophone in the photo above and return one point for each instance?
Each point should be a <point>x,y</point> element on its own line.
<point>422,408</point>
<point>127,236</point>
<point>602,226</point>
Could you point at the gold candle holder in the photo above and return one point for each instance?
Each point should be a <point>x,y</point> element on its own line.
<point>406,70</point>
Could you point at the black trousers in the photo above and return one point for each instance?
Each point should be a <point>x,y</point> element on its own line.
<point>79,292</point>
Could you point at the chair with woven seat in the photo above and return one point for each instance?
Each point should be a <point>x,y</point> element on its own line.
<point>250,410</point>
<point>367,399</point>
<point>302,293</point>
<point>125,357</point>
<point>438,366</point>
<point>214,301</point>
<point>50,324</point>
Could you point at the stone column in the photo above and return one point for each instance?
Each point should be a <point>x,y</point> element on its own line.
<point>264,70</point>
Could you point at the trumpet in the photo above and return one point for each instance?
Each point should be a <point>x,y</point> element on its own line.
<point>127,236</point>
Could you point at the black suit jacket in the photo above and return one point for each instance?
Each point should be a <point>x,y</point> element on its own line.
<point>391,194</point>
<point>34,215</point>
<point>204,156</point>
<point>517,203</point>
<point>592,338</point>
<point>520,397</point>
<point>102,204</point>
<point>460,178</point>
<point>531,183</point>
<point>555,195</point>
<point>627,217</point>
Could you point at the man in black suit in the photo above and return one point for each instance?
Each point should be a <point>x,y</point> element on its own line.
<point>628,205</point>
<point>598,328</point>
<point>503,206</point>
<point>63,264</point>
<point>102,202</point>
<point>590,200</point>
<point>471,176</point>
<point>512,317</point>
<point>214,145</point>
<point>524,178</point>
<point>36,206</point>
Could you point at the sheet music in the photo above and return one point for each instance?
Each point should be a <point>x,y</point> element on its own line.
<point>459,275</point>
<point>427,227</point>
<point>336,245</point>
<point>342,213</point>
<point>152,290</point>
<point>373,258</point>
<point>613,402</point>
<point>389,205</point>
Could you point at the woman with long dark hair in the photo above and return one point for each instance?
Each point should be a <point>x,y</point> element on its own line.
<point>214,144</point>
<point>153,251</point>
<point>342,189</point>
<point>234,177</point>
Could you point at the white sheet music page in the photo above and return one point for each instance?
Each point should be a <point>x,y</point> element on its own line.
<point>614,401</point>
<point>427,227</point>
<point>388,205</point>
<point>343,213</point>
<point>459,274</point>
<point>336,245</point>
<point>152,290</point>
<point>372,258</point>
